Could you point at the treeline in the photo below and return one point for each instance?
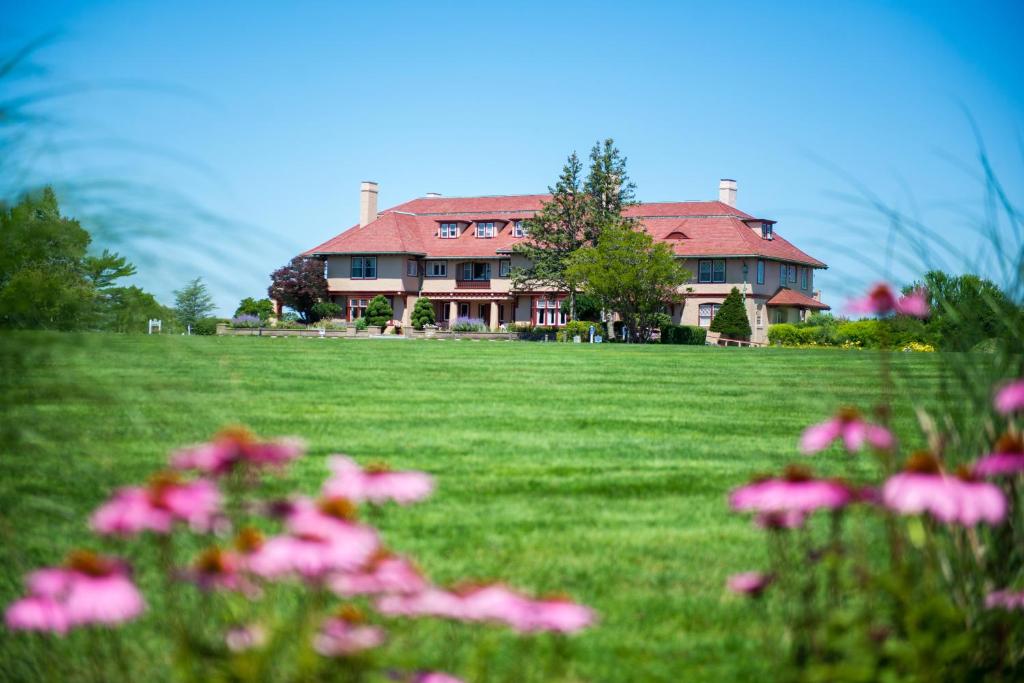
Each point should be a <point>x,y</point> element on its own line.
<point>49,280</point>
<point>967,313</point>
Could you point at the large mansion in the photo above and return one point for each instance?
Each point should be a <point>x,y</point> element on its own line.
<point>458,252</point>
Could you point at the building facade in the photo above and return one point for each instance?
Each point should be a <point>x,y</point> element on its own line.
<point>458,252</point>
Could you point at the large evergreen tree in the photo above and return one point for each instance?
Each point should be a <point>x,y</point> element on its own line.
<point>731,320</point>
<point>630,274</point>
<point>422,313</point>
<point>192,303</point>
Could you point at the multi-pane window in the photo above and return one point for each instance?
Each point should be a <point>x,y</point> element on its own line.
<point>437,268</point>
<point>759,320</point>
<point>504,267</point>
<point>711,270</point>
<point>706,313</point>
<point>476,271</point>
<point>411,268</point>
<point>518,229</point>
<point>357,308</point>
<point>549,312</point>
<point>364,267</point>
<point>760,272</point>
<point>449,230</point>
<point>792,273</point>
<point>485,229</point>
<point>766,231</point>
<point>803,278</point>
<point>783,269</point>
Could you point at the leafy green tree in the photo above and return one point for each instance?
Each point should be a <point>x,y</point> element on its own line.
<point>129,309</point>
<point>731,320</point>
<point>42,281</point>
<point>299,285</point>
<point>105,269</point>
<point>630,274</point>
<point>378,311</point>
<point>261,308</point>
<point>968,309</point>
<point>579,210</point>
<point>422,313</point>
<point>325,309</point>
<point>588,308</point>
<point>192,303</point>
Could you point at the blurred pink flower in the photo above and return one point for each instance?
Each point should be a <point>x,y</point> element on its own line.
<point>322,539</point>
<point>375,484</point>
<point>385,574</point>
<point>89,589</point>
<point>796,492</point>
<point>233,447</point>
<point>882,300</point>
<point>1010,398</point>
<point>243,638</point>
<point>430,602</point>
<point>748,583</point>
<point>157,506</point>
<point>556,615</point>
<point>924,488</point>
<point>346,634</point>
<point>436,677</point>
<point>1006,458</point>
<point>849,426</point>
<point>1005,599</point>
<point>37,613</point>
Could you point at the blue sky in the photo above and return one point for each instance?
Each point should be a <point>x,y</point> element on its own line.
<point>267,115</point>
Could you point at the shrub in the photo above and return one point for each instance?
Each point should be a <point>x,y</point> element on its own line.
<point>324,310</point>
<point>784,334</point>
<point>378,312</point>
<point>731,320</point>
<point>361,323</point>
<point>537,333</point>
<point>683,334</point>
<point>863,333</point>
<point>580,327</point>
<point>246,321</point>
<point>422,313</point>
<point>469,325</point>
<point>588,307</point>
<point>205,326</point>
<point>261,308</point>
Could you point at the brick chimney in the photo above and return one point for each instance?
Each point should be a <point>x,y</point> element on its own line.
<point>367,202</point>
<point>727,191</point>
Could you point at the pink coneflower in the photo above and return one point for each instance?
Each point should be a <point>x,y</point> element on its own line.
<point>430,602</point>
<point>556,615</point>
<point>376,483</point>
<point>1007,458</point>
<point>322,539</point>
<point>235,447</point>
<point>882,300</point>
<point>89,589</point>
<point>851,428</point>
<point>1010,398</point>
<point>924,488</point>
<point>156,507</point>
<point>748,583</point>
<point>796,492</point>
<point>1005,599</point>
<point>436,677</point>
<point>346,634</point>
<point>385,573</point>
<point>218,569</point>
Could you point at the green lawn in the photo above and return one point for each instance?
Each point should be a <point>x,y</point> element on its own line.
<point>600,471</point>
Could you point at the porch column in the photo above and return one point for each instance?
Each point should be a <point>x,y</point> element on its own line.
<point>410,302</point>
<point>494,316</point>
<point>453,312</point>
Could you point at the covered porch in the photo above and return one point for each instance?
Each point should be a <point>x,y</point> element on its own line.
<point>789,306</point>
<point>488,308</point>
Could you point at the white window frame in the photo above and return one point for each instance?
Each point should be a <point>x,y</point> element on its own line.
<point>485,230</point>
<point>767,231</point>
<point>449,231</point>
<point>357,307</point>
<point>504,267</point>
<point>713,308</point>
<point>549,312</point>
<point>436,269</point>
<point>411,268</point>
<point>518,230</point>
<point>759,318</point>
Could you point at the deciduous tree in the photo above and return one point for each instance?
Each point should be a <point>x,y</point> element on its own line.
<point>299,285</point>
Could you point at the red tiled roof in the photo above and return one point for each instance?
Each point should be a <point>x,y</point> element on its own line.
<point>711,229</point>
<point>789,297</point>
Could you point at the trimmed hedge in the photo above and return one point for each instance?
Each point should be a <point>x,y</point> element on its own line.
<point>683,334</point>
<point>537,333</point>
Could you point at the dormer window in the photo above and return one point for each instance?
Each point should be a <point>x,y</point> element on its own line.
<point>766,231</point>
<point>485,229</point>
<point>517,229</point>
<point>449,230</point>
